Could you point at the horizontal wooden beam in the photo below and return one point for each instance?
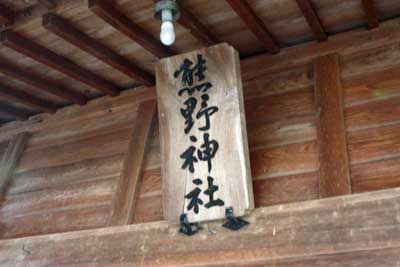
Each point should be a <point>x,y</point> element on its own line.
<point>68,32</point>
<point>347,43</point>
<point>7,111</point>
<point>331,230</point>
<point>196,28</point>
<point>14,95</point>
<point>7,16</point>
<point>257,26</point>
<point>312,18</point>
<point>110,14</point>
<point>47,57</point>
<point>41,83</point>
<point>370,13</point>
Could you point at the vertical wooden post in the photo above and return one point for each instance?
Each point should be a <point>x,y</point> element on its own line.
<point>124,199</point>
<point>334,165</point>
<point>10,158</point>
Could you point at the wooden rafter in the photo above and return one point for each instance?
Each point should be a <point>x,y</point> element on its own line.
<point>370,12</point>
<point>15,95</point>
<point>49,4</point>
<point>196,28</point>
<point>312,18</point>
<point>41,83</point>
<point>11,112</point>
<point>47,57</point>
<point>355,230</point>
<point>68,32</point>
<point>110,14</point>
<point>244,10</point>
<point>7,16</point>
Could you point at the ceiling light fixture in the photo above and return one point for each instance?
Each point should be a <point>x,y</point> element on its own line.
<point>167,11</point>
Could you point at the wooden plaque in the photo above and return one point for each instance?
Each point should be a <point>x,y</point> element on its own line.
<point>204,149</point>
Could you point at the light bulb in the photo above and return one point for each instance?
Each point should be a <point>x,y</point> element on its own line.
<point>167,34</point>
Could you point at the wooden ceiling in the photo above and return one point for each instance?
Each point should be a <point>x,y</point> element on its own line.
<point>58,52</point>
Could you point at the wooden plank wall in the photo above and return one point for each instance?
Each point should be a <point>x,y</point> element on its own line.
<point>67,177</point>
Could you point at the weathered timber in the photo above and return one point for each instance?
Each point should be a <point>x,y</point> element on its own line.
<point>47,57</point>
<point>7,16</point>
<point>13,94</point>
<point>68,32</point>
<point>10,158</point>
<point>257,26</point>
<point>126,194</point>
<point>110,14</point>
<point>196,28</point>
<point>312,18</point>
<point>344,44</point>
<point>40,82</point>
<point>370,13</point>
<point>320,231</point>
<point>334,164</point>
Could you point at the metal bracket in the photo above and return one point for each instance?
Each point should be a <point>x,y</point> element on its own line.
<point>187,228</point>
<point>233,223</point>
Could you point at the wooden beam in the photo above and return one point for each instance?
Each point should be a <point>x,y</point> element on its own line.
<point>10,159</point>
<point>15,95</point>
<point>68,32</point>
<point>11,112</point>
<point>247,14</point>
<point>348,43</point>
<point>371,13</point>
<point>312,18</point>
<point>110,14</point>
<point>129,181</point>
<point>334,164</point>
<point>7,16</point>
<point>47,57</point>
<point>363,227</point>
<point>44,84</point>
<point>196,28</point>
<point>49,4</point>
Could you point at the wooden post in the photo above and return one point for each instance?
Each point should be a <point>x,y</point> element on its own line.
<point>10,158</point>
<point>334,165</point>
<point>125,196</point>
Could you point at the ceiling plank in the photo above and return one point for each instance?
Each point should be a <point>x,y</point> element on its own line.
<point>312,18</point>
<point>196,28</point>
<point>15,95</point>
<point>7,16</point>
<point>11,112</point>
<point>68,32</point>
<point>370,12</point>
<point>44,84</point>
<point>243,9</point>
<point>47,57</point>
<point>110,14</point>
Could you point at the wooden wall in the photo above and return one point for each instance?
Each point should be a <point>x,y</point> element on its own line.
<point>67,176</point>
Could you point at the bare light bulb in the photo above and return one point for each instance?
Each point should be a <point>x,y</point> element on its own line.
<point>167,34</point>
